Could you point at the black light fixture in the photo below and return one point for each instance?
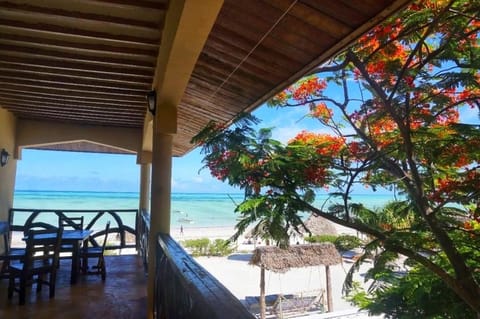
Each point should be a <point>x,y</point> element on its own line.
<point>152,101</point>
<point>4,157</point>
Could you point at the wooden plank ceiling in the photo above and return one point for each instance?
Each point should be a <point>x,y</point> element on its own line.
<point>92,61</point>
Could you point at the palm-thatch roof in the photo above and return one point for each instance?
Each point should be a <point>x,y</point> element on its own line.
<point>281,260</point>
<point>315,224</point>
<point>318,225</point>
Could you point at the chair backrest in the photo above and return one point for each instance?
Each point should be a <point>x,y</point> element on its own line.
<point>43,246</point>
<point>107,229</point>
<point>39,226</point>
<point>74,223</point>
<point>5,232</point>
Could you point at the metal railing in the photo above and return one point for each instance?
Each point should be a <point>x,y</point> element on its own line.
<point>21,219</point>
<point>142,235</point>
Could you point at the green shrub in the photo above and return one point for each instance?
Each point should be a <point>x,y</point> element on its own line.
<point>342,242</point>
<point>197,247</point>
<point>347,242</point>
<point>321,239</point>
<point>220,247</point>
<point>205,247</point>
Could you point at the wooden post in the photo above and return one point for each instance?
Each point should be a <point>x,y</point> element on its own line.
<point>329,289</point>
<point>262,293</point>
<point>144,202</point>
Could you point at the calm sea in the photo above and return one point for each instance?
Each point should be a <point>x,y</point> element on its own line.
<point>194,209</point>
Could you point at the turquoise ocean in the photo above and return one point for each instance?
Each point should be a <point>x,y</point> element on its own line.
<point>192,209</point>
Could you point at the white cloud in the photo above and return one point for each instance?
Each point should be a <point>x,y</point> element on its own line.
<point>197,179</point>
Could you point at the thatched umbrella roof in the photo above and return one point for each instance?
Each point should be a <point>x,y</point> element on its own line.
<point>281,260</point>
<point>316,224</point>
<point>319,226</point>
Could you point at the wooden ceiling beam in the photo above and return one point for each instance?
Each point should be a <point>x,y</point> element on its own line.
<point>314,25</point>
<point>271,48</point>
<point>62,115</point>
<point>96,48</point>
<point>74,111</point>
<point>80,16</point>
<point>87,34</point>
<point>61,94</point>
<point>85,121</point>
<point>344,12</point>
<point>155,4</point>
<point>107,108</point>
<point>69,81</point>
<point>47,71</point>
<point>22,51</point>
<point>113,93</point>
<point>34,97</point>
<point>77,66</point>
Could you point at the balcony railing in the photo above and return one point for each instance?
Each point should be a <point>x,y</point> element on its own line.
<point>183,288</point>
<point>21,219</point>
<point>143,227</point>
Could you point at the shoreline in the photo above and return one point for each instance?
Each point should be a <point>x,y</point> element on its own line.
<point>196,232</point>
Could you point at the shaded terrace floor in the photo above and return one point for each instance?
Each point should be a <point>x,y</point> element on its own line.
<point>122,295</point>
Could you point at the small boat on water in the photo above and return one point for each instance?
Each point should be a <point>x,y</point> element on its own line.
<point>185,220</point>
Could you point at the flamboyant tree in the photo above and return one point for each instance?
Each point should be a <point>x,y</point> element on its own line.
<point>404,86</point>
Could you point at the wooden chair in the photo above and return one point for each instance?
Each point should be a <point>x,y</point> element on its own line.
<point>74,223</point>
<point>96,251</point>
<point>41,259</point>
<point>69,223</point>
<point>9,254</point>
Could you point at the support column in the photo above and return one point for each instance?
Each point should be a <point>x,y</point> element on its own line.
<point>7,172</point>
<point>187,26</point>
<point>161,183</point>
<point>144,201</point>
<point>329,289</point>
<point>164,127</point>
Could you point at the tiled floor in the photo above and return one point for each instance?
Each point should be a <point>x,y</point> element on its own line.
<point>121,296</point>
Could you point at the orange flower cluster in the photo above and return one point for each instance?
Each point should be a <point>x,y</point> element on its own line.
<point>322,112</point>
<point>324,144</point>
<point>434,5</point>
<point>303,90</point>
<point>357,150</point>
<point>461,155</point>
<point>316,175</point>
<point>280,99</point>
<point>217,165</point>
<point>379,57</point>
<point>448,187</point>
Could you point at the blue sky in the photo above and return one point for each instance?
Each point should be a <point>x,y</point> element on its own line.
<point>54,170</point>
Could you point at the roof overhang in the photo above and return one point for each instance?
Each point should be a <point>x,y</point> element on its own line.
<point>92,62</point>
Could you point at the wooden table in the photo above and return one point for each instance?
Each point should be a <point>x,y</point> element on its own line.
<point>75,238</point>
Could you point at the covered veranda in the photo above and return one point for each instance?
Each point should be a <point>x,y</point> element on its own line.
<point>75,76</point>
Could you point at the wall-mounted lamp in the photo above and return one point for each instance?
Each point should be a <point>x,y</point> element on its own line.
<point>4,157</point>
<point>152,101</point>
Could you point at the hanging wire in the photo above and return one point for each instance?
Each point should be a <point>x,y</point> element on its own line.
<point>255,47</point>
